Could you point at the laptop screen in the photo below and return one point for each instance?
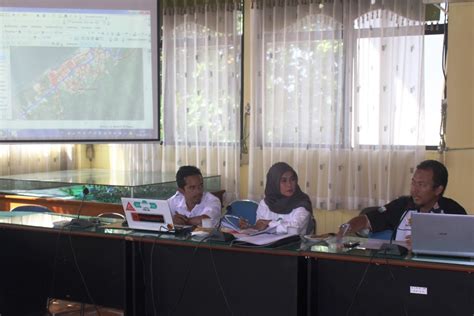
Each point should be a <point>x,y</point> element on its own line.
<point>148,214</point>
<point>443,234</point>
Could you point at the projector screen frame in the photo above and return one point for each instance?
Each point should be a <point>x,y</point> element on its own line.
<point>109,135</point>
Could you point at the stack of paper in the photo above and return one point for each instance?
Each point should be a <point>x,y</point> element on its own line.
<point>267,239</point>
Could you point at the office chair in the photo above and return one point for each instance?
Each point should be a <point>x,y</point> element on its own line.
<point>111,215</point>
<point>384,234</point>
<point>70,308</point>
<point>244,208</point>
<point>220,195</point>
<point>31,208</point>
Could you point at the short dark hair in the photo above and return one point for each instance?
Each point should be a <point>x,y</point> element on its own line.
<point>186,171</point>
<point>440,173</point>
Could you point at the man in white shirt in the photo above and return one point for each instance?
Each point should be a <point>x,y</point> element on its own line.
<point>191,204</point>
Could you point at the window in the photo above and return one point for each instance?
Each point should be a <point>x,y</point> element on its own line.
<point>387,89</point>
<point>433,88</point>
<point>434,82</point>
<point>316,66</point>
<point>202,74</point>
<point>303,71</point>
<point>352,80</point>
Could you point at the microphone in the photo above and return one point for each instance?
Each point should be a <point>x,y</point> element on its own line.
<point>78,221</point>
<point>394,249</point>
<point>217,234</point>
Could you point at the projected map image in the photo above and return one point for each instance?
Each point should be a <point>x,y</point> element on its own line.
<point>52,83</point>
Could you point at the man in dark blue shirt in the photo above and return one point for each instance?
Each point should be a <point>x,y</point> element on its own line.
<point>426,195</point>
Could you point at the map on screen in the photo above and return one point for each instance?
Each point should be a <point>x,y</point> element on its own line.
<point>78,74</point>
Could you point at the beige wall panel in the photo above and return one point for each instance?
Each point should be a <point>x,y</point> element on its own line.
<point>460,131</point>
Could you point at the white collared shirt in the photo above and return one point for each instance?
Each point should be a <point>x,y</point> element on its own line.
<point>210,205</point>
<point>298,217</point>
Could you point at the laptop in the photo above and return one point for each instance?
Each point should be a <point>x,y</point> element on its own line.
<point>442,234</point>
<point>148,214</point>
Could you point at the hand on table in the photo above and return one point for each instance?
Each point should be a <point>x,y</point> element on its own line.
<point>179,219</point>
<point>243,223</point>
<point>261,224</point>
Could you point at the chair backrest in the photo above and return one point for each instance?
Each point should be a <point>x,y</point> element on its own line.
<point>220,195</point>
<point>31,208</point>
<point>244,208</point>
<point>111,215</point>
<point>384,234</point>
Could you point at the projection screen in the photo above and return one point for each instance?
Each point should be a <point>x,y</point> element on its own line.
<point>79,71</point>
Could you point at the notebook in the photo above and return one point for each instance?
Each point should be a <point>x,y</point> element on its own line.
<point>148,214</point>
<point>442,234</point>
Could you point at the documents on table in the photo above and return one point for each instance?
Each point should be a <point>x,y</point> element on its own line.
<point>238,232</point>
<point>253,236</point>
<point>263,239</point>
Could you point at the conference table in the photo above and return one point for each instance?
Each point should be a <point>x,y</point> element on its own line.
<point>146,273</point>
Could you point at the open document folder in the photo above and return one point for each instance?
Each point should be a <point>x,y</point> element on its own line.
<point>266,239</point>
<point>231,222</point>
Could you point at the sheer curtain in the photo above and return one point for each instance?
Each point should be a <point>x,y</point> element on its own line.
<point>201,93</point>
<point>21,159</point>
<point>337,92</point>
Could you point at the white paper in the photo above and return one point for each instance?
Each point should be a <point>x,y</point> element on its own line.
<point>264,238</point>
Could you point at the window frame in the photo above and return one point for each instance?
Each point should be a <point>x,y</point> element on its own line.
<point>347,121</point>
<point>168,129</point>
<point>437,29</point>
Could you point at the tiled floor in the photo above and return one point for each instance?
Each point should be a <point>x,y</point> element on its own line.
<point>67,308</point>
